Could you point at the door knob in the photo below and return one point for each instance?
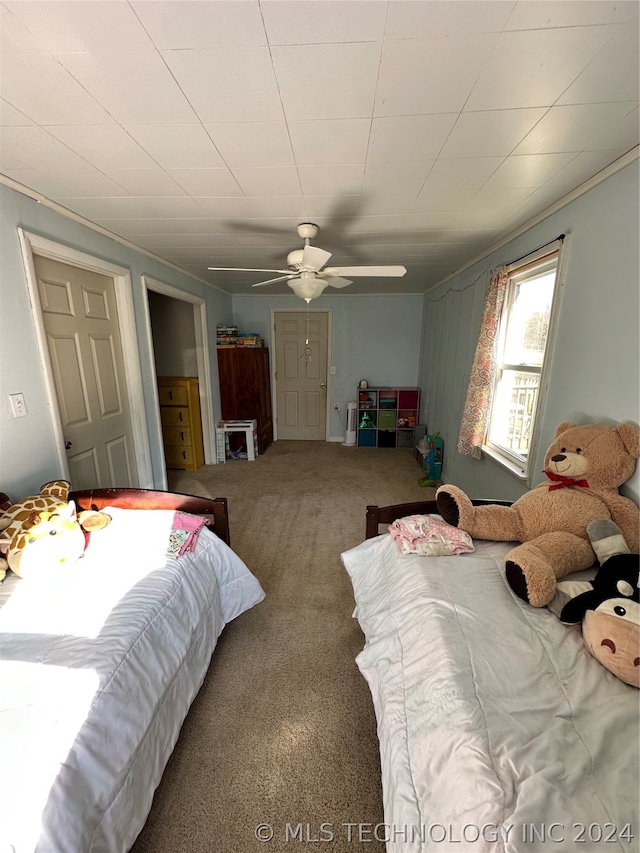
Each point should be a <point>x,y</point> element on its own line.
<point>68,445</point>
<point>323,385</point>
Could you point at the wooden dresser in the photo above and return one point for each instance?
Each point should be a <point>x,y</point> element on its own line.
<point>181,422</point>
<point>245,388</point>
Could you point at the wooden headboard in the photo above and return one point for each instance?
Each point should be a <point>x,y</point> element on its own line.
<point>377,515</point>
<point>214,508</point>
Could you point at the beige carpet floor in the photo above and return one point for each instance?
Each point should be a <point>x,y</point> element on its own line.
<point>283,731</point>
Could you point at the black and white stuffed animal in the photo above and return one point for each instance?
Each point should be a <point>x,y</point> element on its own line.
<point>609,608</point>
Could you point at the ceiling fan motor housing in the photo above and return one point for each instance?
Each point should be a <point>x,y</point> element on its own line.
<point>294,259</point>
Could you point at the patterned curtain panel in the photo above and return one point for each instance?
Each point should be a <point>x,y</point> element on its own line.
<point>476,407</point>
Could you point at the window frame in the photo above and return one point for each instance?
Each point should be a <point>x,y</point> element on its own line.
<point>532,265</point>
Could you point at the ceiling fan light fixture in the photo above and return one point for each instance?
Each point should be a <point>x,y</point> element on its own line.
<point>307,288</point>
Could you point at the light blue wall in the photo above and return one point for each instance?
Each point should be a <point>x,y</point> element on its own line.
<point>27,450</point>
<point>595,368</point>
<point>376,338</point>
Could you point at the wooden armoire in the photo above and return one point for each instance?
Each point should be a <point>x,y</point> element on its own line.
<point>245,388</point>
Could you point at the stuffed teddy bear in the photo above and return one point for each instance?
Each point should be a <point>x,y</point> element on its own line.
<point>586,465</point>
<point>43,530</point>
<point>609,606</point>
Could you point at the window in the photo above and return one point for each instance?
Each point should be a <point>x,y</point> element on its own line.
<point>522,346</point>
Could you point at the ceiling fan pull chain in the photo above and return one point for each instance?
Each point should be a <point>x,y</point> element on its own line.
<point>307,351</point>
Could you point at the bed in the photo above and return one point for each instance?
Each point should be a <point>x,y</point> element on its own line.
<point>100,664</point>
<point>498,731</point>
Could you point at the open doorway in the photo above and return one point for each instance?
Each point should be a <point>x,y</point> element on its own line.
<point>179,343</point>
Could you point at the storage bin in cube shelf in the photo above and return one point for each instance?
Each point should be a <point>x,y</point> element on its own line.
<point>250,430</point>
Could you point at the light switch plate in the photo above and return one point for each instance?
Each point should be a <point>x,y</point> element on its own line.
<point>18,406</point>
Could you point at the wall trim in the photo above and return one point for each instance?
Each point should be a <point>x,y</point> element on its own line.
<point>31,244</point>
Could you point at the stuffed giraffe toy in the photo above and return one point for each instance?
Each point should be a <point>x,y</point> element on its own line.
<point>30,526</point>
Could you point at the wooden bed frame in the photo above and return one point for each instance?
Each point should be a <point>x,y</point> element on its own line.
<point>377,515</point>
<point>214,508</point>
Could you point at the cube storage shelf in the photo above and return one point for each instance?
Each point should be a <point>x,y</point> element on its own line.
<point>387,416</point>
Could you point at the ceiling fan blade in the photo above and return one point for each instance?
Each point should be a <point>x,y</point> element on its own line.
<point>244,269</point>
<point>390,271</point>
<point>336,281</point>
<point>314,258</point>
<point>272,280</point>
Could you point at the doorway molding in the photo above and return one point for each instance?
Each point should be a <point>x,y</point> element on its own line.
<point>33,244</point>
<point>202,360</point>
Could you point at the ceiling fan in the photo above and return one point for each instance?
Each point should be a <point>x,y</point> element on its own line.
<point>305,274</point>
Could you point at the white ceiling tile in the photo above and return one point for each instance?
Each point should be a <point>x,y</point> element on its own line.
<point>613,75</point>
<point>41,88</point>
<point>234,209</point>
<point>577,13</point>
<point>339,80</point>
<point>131,208</point>
<point>227,85</point>
<point>37,149</point>
<point>528,170</point>
<point>192,225</point>
<point>452,183</point>
<point>252,143</point>
<point>194,24</point>
<point>106,146</point>
<point>33,180</point>
<point>403,223</point>
<point>139,182</point>
<point>407,19</point>
<point>482,219</point>
<point>430,75</point>
<point>548,60</point>
<point>177,146</point>
<point>83,183</point>
<point>581,168</point>
<point>224,208</point>
<point>14,36</point>
<point>280,208</point>
<point>10,163</point>
<point>332,142</point>
<point>11,117</point>
<point>323,22</point>
<point>272,181</point>
<point>376,203</point>
<point>590,127</point>
<point>497,199</point>
<point>329,180</point>
<point>490,133</point>
<point>68,26</point>
<point>398,138</point>
<point>396,178</point>
<point>134,87</point>
<point>206,182</point>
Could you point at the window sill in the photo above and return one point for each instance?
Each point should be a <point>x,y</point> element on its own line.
<point>512,467</point>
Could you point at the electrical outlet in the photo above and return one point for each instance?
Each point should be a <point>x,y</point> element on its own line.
<point>338,407</point>
<point>18,406</point>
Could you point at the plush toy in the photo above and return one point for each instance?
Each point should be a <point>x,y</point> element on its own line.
<point>43,531</point>
<point>585,466</point>
<point>609,607</point>
<point>13,515</point>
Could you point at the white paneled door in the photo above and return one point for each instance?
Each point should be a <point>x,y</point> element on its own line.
<point>301,375</point>
<point>80,318</point>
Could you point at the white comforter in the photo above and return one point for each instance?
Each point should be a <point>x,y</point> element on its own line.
<point>100,663</point>
<point>498,732</point>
